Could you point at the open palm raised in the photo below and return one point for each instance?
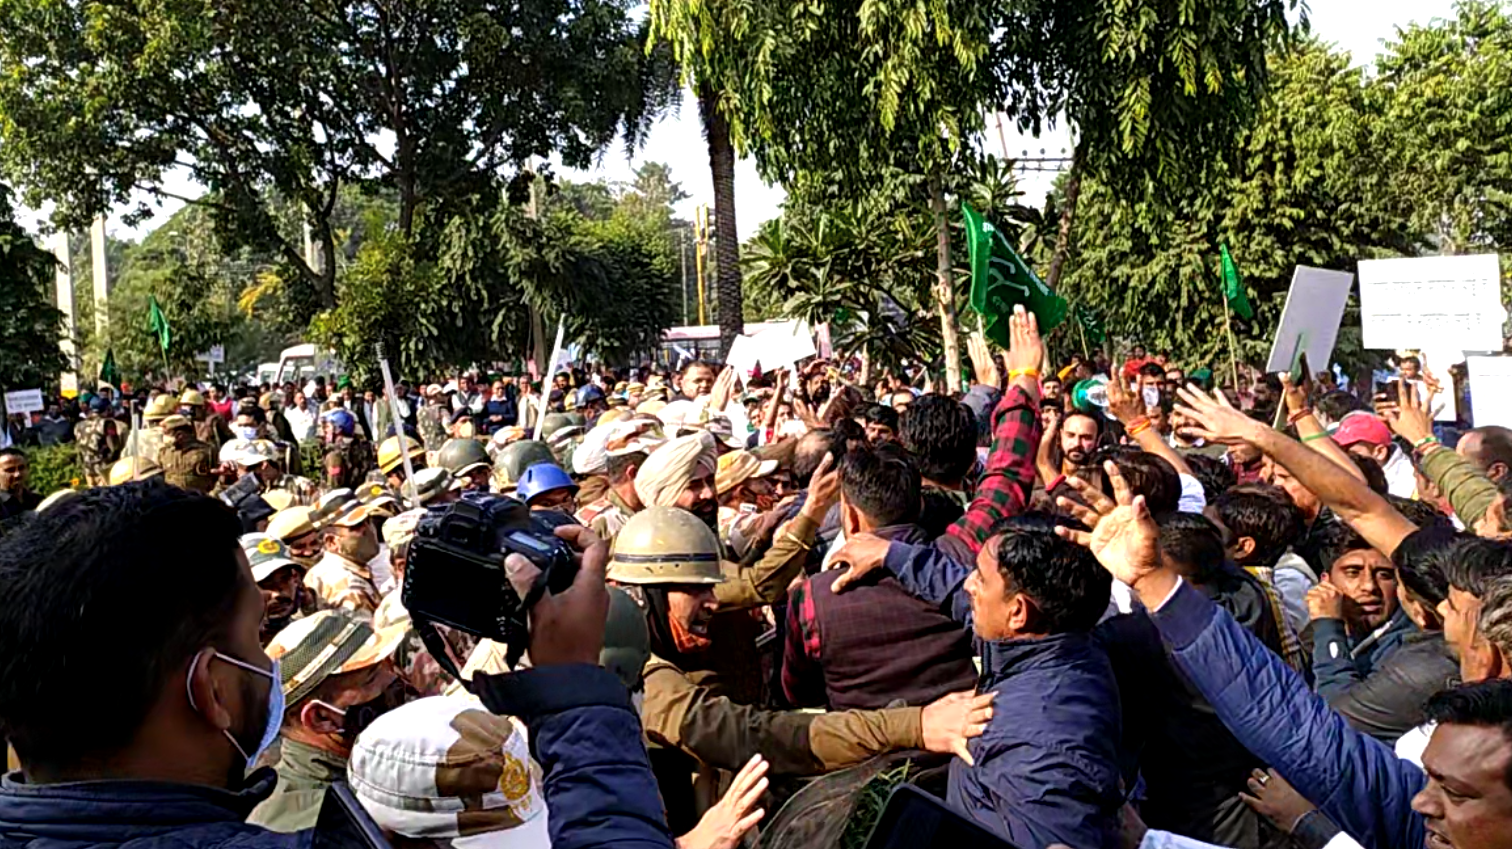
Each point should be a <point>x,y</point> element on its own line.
<point>1124,536</point>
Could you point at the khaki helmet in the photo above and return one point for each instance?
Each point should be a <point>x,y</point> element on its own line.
<point>426,486</point>
<point>128,469</point>
<point>159,408</point>
<point>461,456</point>
<point>554,422</point>
<point>627,641</point>
<point>665,545</point>
<point>513,459</point>
<point>389,456</point>
<point>192,398</point>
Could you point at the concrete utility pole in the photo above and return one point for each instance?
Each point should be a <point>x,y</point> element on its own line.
<point>100,272</point>
<point>70,378</point>
<point>701,235</point>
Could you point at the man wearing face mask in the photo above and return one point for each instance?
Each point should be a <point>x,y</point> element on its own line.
<point>343,578</point>
<point>335,677</point>
<point>190,698</point>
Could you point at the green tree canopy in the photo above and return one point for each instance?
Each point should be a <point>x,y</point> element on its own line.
<point>1309,187</point>
<point>30,325</point>
<point>429,101</point>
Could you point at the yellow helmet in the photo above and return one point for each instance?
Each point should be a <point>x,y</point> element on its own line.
<point>192,397</point>
<point>159,408</point>
<point>389,456</point>
<point>665,545</point>
<point>128,469</point>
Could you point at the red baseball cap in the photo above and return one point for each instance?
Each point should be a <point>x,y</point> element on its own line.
<point>1361,426</point>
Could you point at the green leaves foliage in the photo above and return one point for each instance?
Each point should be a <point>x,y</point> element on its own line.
<point>1308,186</point>
<point>427,100</point>
<point>30,356</point>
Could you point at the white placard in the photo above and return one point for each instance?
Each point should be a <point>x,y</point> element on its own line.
<point>216,354</point>
<point>785,342</point>
<point>1314,305</point>
<point>24,401</point>
<point>1490,390</point>
<point>743,356</point>
<point>1432,302</point>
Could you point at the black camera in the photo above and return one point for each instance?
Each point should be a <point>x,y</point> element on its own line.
<point>454,573</point>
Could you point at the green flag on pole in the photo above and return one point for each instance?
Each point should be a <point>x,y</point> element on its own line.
<point>1233,287</point>
<point>1000,279</point>
<point>159,323</point>
<point>109,375</point>
<point>1089,322</point>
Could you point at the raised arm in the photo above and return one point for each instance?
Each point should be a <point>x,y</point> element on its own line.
<point>1009,477</point>
<point>1358,781</point>
<point>1311,431</point>
<point>1468,489</point>
<point>1128,407</point>
<point>1350,498</point>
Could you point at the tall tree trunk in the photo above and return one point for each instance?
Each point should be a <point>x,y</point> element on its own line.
<point>944,289</point>
<point>726,242</point>
<point>1067,217</point>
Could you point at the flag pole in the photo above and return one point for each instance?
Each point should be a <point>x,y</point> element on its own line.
<point>1228,325</point>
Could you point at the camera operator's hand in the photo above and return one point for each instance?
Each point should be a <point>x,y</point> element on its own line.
<point>567,627</point>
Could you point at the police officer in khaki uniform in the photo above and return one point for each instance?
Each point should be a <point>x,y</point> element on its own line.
<point>209,427</point>
<point>130,469</point>
<point>145,442</point>
<point>669,561</point>
<point>391,458</point>
<point>187,462</point>
<point>336,672</point>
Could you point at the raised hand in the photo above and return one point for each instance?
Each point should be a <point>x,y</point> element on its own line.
<point>1123,402</point>
<point>1026,349</point>
<point>1125,539</point>
<point>1409,418</point>
<point>1216,419</point>
<point>982,364</point>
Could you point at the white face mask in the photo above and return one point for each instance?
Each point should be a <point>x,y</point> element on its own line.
<point>275,706</point>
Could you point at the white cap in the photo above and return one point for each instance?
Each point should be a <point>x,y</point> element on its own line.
<point>443,767</point>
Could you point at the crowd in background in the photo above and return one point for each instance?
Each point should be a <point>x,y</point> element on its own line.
<point>1115,603</point>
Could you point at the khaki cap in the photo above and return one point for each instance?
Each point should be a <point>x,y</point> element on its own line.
<point>737,467</point>
<point>326,643</point>
<point>175,422</point>
<point>130,469</point>
<point>292,523</point>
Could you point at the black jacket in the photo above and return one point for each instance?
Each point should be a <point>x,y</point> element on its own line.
<point>1389,701</point>
<point>1193,768</point>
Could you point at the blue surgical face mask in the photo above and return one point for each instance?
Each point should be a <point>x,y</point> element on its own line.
<point>275,706</point>
<point>246,431</point>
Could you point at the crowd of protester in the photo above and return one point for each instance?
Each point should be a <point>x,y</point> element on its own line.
<point>1117,603</point>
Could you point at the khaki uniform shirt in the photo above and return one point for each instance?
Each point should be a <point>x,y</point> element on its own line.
<point>190,467</point>
<point>344,585</point>
<point>722,734</point>
<point>304,773</point>
<point>304,491</point>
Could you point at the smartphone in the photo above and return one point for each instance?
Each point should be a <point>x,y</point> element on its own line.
<point>343,824</point>
<point>913,819</point>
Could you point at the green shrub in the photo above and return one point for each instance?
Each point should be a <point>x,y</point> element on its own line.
<point>54,467</point>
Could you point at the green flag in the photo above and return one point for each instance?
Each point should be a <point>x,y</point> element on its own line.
<point>1089,322</point>
<point>1000,279</point>
<point>1233,287</point>
<point>108,373</point>
<point>159,323</point>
